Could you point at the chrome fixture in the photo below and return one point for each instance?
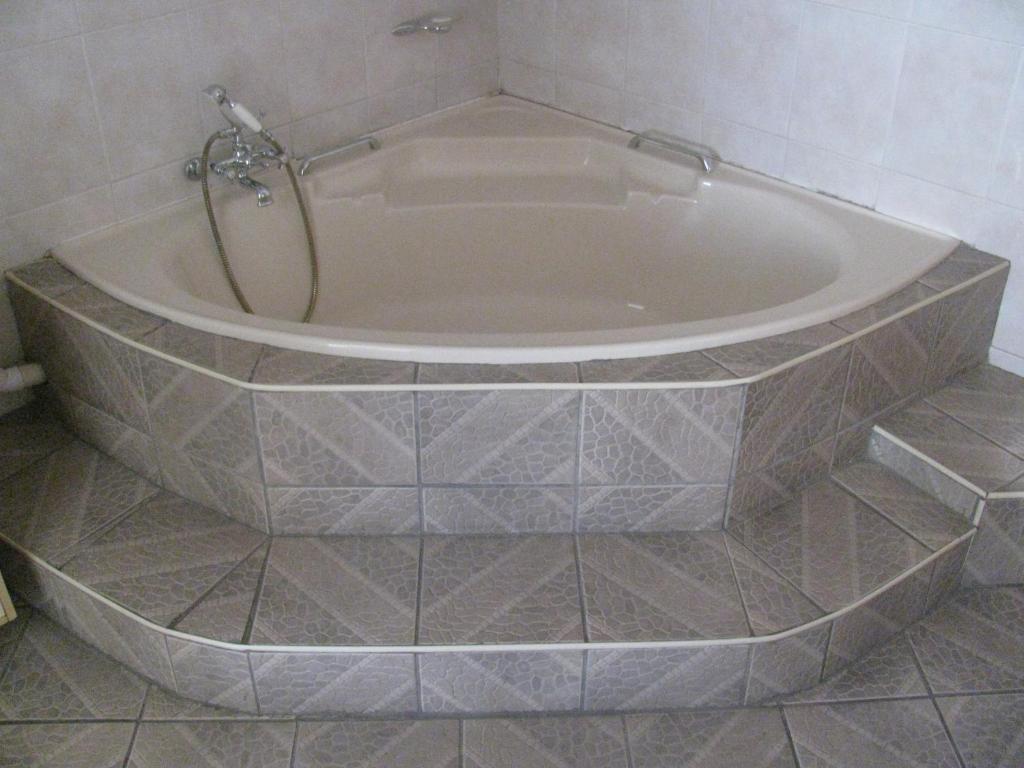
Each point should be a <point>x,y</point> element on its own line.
<point>305,162</point>
<point>707,156</point>
<point>431,22</point>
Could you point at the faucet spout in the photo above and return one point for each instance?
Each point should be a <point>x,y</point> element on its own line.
<point>263,196</point>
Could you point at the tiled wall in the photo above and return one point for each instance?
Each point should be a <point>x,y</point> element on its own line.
<point>913,107</point>
<point>99,101</point>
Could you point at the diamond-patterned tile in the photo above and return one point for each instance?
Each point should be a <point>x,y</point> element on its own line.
<point>391,743</point>
<point>894,734</point>
<point>749,738</point>
<point>764,489</point>
<point>213,744</point>
<point>962,264</point>
<point>592,742</point>
<point>914,511</point>
<point>989,730</point>
<point>163,557</point>
<point>498,509</point>
<point>230,357</point>
<point>965,324</point>
<point>109,312</point>
<point>772,604</point>
<point>343,511</point>
<point>336,590</point>
<point>68,745</point>
<point>974,642</point>
<point>750,358</point>
<point>614,509</point>
<point>212,675</point>
<point>495,589</point>
<point>886,308</point>
<point>953,445</point>
<point>655,586</point>
<point>10,634</point>
<point>507,437</point>
<point>334,439</point>
<point>790,664</point>
<point>49,277</point>
<point>997,554</point>
<point>26,436</point>
<point>988,400</point>
<point>127,445</point>
<point>888,672</point>
<point>474,373</point>
<point>223,612</point>
<point>161,704</point>
<point>947,572</point>
<point>55,676</point>
<point>658,437</point>
<point>57,502</point>
<point>290,366</point>
<point>687,366</point>
<point>832,546</point>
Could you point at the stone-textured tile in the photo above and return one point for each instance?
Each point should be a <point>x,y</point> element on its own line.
<point>162,704</point>
<point>338,591</point>
<point>336,439</point>
<point>871,624</point>
<point>953,445</point>
<point>505,509</point>
<point>997,554</point>
<point>833,547</point>
<point>223,612</point>
<point>908,465</point>
<point>341,511</point>
<point>987,729</point>
<point>230,357</point>
<point>55,676</point>
<point>964,328</point>
<point>494,589</point>
<point>895,734</point>
<point>10,634</point>
<point>163,557</point>
<point>754,494</point>
<point>474,373</point>
<point>392,743</point>
<point>790,664</point>
<point>710,676</point>
<point>687,366</point>
<point>990,401</point>
<point>212,675</point>
<point>614,509</point>
<point>68,745</point>
<point>888,365</point>
<point>592,742</point>
<point>947,573</point>
<point>497,682</point>
<point>750,358</point>
<point>289,366</point>
<point>112,314</point>
<point>974,642</point>
<point>886,308</point>
<point>789,412</point>
<point>128,446</point>
<point>509,437</point>
<point>772,604</point>
<point>749,738</point>
<point>657,437</point>
<point>888,672</point>
<point>657,586</point>
<point>914,511</point>
<point>49,277</point>
<point>351,683</point>
<point>26,436</point>
<point>213,744</point>
<point>961,265</point>
<point>57,502</point>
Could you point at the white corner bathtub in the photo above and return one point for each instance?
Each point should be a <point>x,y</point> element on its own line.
<point>504,232</point>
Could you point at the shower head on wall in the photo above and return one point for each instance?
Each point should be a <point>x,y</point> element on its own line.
<point>431,22</point>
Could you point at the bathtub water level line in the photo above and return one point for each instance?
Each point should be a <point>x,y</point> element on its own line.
<point>244,158</point>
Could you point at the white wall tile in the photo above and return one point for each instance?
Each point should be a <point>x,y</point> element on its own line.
<point>473,40</point>
<point>529,82</point>
<point>830,173</point>
<point>748,147</point>
<point>143,192</point>
<point>100,14</point>
<point>950,108</point>
<point>929,205</point>
<point>328,129</point>
<point>995,19</point>
<point>590,41</point>
<point>593,101</point>
<point>527,32</point>
<point>644,115</point>
<point>752,61</point>
<point>847,74</point>
<point>402,104</point>
<point>457,87</point>
<point>1008,178</point>
<point>894,9</point>
<point>667,51</point>
<point>394,62</point>
<point>26,22</point>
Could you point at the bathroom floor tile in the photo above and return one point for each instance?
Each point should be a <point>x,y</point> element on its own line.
<point>68,745</point>
<point>997,552</point>
<point>391,743</point>
<point>989,730</point>
<point>687,366</point>
<point>617,508</point>
<point>223,613</point>
<point>494,589</point>
<point>988,400</point>
<point>910,508</point>
<point>749,738</point>
<point>750,358</point>
<point>161,704</point>
<point>772,603</point>
<point>55,503</point>
<point>26,436</point>
<point>894,734</point>
<point>830,545</point>
<point>212,744</point>
<point>953,445</point>
<point>336,590</point>
<point>975,642</point>
<point>10,634</point>
<point>551,742</point>
<point>887,672</point>
<point>655,586</point>
<point>54,675</point>
<point>163,557</point>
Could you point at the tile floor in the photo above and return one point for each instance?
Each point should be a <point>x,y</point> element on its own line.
<point>949,692</point>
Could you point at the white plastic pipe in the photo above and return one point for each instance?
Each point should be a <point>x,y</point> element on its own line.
<point>21,377</point>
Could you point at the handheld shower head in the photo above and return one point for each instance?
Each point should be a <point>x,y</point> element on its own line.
<point>233,112</point>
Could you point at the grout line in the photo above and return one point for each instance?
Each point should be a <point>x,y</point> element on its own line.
<point>737,444</point>
<point>195,604</point>
<point>626,741</point>
<point>295,744</point>
<point>949,733</point>
<point>258,445</point>
<point>577,557</point>
<point>131,744</point>
<point>254,608</point>
<point>789,736</point>
<point>933,463</point>
<point>739,589</point>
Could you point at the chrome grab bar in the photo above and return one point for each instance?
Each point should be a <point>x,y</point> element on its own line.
<point>304,163</point>
<point>707,156</point>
